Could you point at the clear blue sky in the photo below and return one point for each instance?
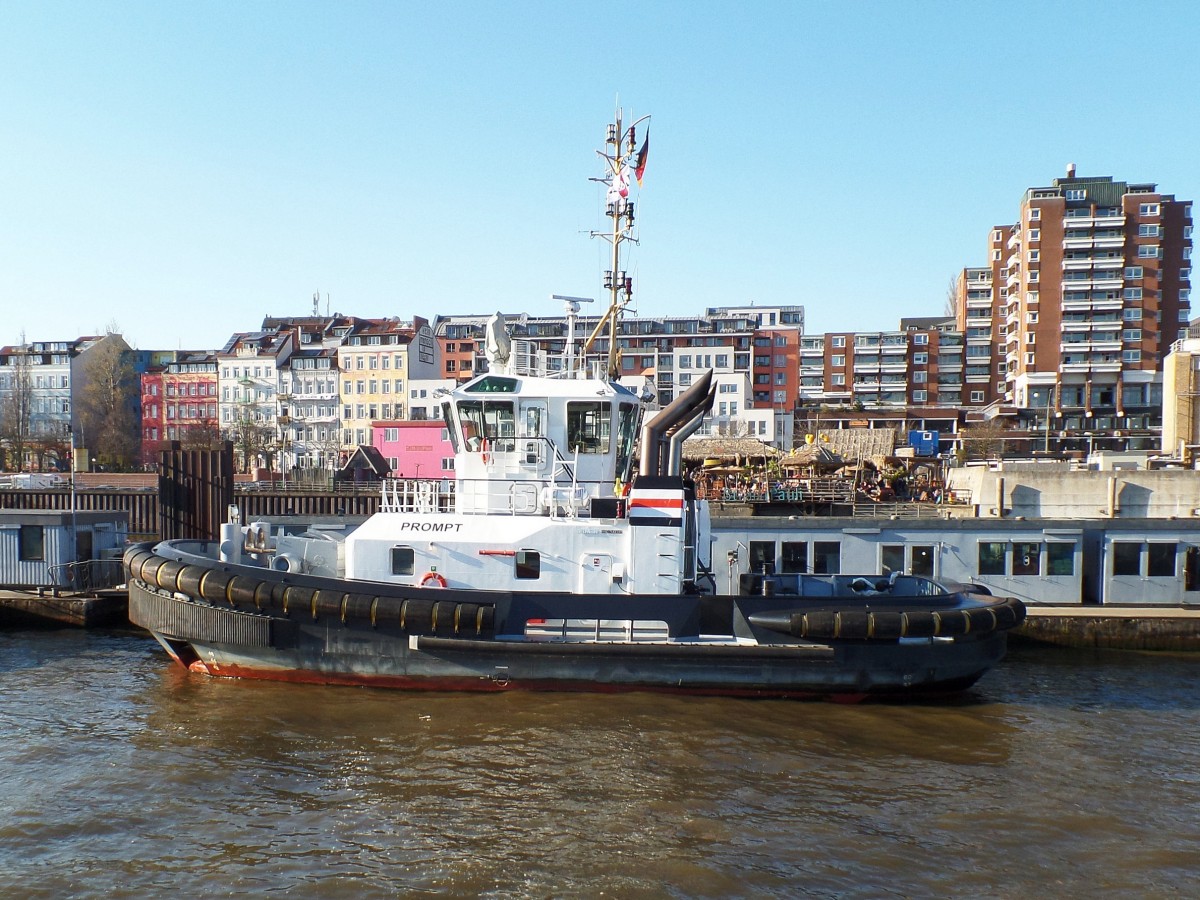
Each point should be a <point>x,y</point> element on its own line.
<point>182,169</point>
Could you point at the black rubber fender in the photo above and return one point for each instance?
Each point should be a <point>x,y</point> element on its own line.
<point>168,575</point>
<point>819,624</point>
<point>852,624</point>
<point>951,622</point>
<point>918,623</point>
<point>297,599</point>
<point>417,616</point>
<point>188,582</point>
<point>1007,615</point>
<point>133,560</point>
<point>149,570</point>
<point>886,626</point>
<point>214,586</point>
<point>983,619</point>
<point>242,590</point>
<point>357,607</point>
<point>326,603</point>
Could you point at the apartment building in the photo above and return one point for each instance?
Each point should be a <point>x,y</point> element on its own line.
<point>1088,290</point>
<point>248,381</point>
<point>880,370</point>
<point>376,359</point>
<point>180,399</point>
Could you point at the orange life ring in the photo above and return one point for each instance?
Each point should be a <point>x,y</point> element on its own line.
<point>483,451</point>
<point>432,579</point>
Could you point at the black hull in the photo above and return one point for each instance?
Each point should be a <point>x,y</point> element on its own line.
<point>243,622</point>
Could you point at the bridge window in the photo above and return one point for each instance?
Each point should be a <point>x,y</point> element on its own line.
<point>891,558</point>
<point>403,561</point>
<point>528,564</point>
<point>922,561</point>
<point>588,427</point>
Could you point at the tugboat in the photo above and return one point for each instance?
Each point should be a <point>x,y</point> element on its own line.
<point>550,564</point>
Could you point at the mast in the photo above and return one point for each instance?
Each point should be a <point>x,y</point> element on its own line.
<point>621,157</point>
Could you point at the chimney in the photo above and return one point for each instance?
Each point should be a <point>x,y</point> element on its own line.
<point>1070,170</point>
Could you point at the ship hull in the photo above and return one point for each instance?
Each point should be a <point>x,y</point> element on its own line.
<point>231,621</point>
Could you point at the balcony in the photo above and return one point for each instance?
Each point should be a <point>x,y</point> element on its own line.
<point>1081,242</point>
<point>1075,265</point>
<point>1117,241</point>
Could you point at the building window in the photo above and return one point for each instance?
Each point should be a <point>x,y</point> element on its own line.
<point>32,543</point>
<point>1060,558</point>
<point>920,339</point>
<point>1035,214</point>
<point>1027,558</point>
<point>1149,251</point>
<point>1131,334</point>
<point>1148,209</point>
<point>920,359</point>
<point>1160,560</point>
<point>839,361</point>
<point>839,342</point>
<point>920,396</point>
<point>1131,356</point>
<point>976,396</point>
<point>827,557</point>
<point>795,557</point>
<point>1075,194</point>
<point>1030,359</point>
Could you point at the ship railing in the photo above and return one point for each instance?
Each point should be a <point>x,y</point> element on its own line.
<point>414,495</point>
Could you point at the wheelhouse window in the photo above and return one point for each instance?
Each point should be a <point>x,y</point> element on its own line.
<point>922,561</point>
<point>403,561</point>
<point>528,564</point>
<point>588,427</point>
<point>627,423</point>
<point>492,421</point>
<point>32,543</point>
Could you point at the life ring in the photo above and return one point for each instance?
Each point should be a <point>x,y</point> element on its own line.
<point>484,455</point>
<point>432,579</point>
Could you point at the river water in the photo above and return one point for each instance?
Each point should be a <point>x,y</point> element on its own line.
<point>1065,773</point>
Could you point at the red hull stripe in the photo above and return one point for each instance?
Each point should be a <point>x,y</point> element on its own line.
<point>655,503</point>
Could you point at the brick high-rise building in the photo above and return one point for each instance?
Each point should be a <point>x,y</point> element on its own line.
<point>1088,290</point>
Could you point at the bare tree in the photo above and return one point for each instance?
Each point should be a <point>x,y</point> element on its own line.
<point>252,439</point>
<point>16,408</point>
<point>108,403</point>
<point>984,440</point>
<point>204,435</point>
<point>952,298</point>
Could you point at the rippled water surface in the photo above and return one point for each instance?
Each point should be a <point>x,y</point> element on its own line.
<point>1062,773</point>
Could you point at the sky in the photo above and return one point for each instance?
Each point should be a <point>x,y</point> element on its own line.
<point>177,171</point>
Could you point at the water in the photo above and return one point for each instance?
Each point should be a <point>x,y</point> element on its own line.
<point>1063,773</point>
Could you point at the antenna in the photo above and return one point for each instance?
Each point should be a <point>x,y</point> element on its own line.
<point>571,305</point>
<point>316,303</point>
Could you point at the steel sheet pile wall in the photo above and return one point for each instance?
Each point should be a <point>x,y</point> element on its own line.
<point>195,491</point>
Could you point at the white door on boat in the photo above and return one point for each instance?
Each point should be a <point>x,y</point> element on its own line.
<point>595,573</point>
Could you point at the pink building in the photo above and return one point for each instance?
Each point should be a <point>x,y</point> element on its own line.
<point>415,449</point>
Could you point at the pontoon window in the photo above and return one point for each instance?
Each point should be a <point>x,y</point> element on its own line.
<point>1191,569</point>
<point>922,562</point>
<point>1027,558</point>
<point>528,564</point>
<point>795,557</point>
<point>403,560</point>
<point>627,423</point>
<point>991,557</point>
<point>827,557</point>
<point>1127,558</point>
<point>33,543</point>
<point>588,427</point>
<point>1060,558</point>
<point>891,558</point>
<point>1160,560</point>
<point>762,557</point>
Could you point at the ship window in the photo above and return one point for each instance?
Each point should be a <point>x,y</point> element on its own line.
<point>795,556</point>
<point>588,427</point>
<point>891,558</point>
<point>922,562</point>
<point>33,543</point>
<point>827,557</point>
<point>528,564</point>
<point>1060,558</point>
<point>626,436</point>
<point>1027,558</point>
<point>450,432</point>
<point>403,561</point>
<point>488,420</point>
<point>762,557</point>
<point>493,384</point>
<point>1127,558</point>
<point>1160,560</point>
<point>991,557</point>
